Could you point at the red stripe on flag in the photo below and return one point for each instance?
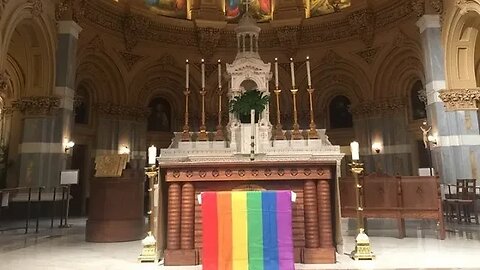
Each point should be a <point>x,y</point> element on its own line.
<point>210,231</point>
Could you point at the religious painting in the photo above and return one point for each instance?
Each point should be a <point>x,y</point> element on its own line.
<point>261,10</point>
<point>160,115</point>
<point>170,8</point>
<point>322,7</point>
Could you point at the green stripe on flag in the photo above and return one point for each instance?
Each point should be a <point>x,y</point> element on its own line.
<point>255,230</point>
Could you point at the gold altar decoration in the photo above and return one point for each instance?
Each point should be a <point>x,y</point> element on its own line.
<point>278,135</point>
<point>296,134</point>
<point>202,135</point>
<point>186,127</point>
<point>312,133</point>
<point>362,249</point>
<point>149,251</point>
<point>219,134</point>
<point>110,165</point>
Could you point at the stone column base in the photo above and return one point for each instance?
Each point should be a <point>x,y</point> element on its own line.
<point>318,255</point>
<point>181,257</point>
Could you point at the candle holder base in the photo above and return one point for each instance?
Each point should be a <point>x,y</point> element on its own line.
<point>312,132</point>
<point>362,247</point>
<point>296,134</point>
<point>202,135</point>
<point>149,251</point>
<point>279,134</point>
<point>185,135</point>
<point>219,136</point>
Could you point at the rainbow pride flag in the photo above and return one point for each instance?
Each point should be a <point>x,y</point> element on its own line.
<point>247,230</point>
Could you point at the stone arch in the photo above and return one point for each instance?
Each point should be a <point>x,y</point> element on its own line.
<point>37,34</point>
<point>104,78</point>
<point>460,35</point>
<point>403,66</point>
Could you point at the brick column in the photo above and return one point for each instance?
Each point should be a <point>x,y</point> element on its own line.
<point>173,217</point>
<point>325,214</point>
<point>311,214</point>
<point>188,215</point>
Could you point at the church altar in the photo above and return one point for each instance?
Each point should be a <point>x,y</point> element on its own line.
<point>246,157</point>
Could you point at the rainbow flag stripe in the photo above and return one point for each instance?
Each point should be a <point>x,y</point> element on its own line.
<point>247,230</point>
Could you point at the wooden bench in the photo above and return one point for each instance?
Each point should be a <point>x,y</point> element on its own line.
<point>400,197</point>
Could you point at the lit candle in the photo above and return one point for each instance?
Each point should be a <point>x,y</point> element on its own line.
<point>252,118</point>
<point>219,74</point>
<point>292,72</point>
<point>309,79</point>
<point>186,74</point>
<point>152,154</point>
<point>355,148</point>
<point>203,73</point>
<point>276,73</point>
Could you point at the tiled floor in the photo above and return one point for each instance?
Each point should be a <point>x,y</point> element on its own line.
<point>67,249</point>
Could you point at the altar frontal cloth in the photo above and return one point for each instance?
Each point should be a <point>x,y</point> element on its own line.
<point>247,230</point>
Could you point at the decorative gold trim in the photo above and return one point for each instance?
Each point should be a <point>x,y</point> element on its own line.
<point>37,105</point>
<point>460,99</point>
<point>379,107</point>
<point>109,109</point>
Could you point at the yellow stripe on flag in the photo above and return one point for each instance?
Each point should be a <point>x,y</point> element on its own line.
<point>239,231</point>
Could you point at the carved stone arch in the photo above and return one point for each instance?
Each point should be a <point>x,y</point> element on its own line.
<point>14,78</point>
<point>37,30</point>
<point>395,71</point>
<point>460,36</point>
<point>108,80</point>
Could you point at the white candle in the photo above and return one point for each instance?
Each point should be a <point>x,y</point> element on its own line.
<point>219,74</point>
<point>292,72</point>
<point>276,73</point>
<point>152,154</point>
<point>355,148</point>
<point>203,73</point>
<point>252,118</point>
<point>309,79</point>
<point>186,74</point>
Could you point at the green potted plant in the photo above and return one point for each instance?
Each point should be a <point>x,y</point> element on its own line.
<point>250,100</point>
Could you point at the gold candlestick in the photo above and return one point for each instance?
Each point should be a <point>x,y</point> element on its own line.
<point>202,136</point>
<point>296,134</point>
<point>312,133</point>
<point>362,249</point>
<point>279,135</point>
<point>186,128</point>
<point>219,134</point>
<point>149,251</point>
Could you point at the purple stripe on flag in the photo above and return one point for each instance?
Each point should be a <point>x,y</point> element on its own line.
<point>284,230</point>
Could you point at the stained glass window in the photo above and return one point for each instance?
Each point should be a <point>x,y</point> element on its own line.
<point>261,10</point>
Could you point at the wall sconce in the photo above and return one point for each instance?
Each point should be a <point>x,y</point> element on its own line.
<point>124,150</point>
<point>432,139</point>
<point>69,145</point>
<point>377,147</point>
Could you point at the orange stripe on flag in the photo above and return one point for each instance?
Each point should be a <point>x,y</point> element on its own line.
<point>224,212</point>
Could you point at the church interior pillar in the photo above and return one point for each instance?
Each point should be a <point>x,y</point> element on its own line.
<point>456,152</point>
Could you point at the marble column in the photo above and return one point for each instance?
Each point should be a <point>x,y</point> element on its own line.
<point>457,153</point>
<point>385,125</point>
<point>121,128</point>
<point>47,121</point>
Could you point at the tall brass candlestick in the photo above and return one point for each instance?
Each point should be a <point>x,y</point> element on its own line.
<point>362,243</point>
<point>186,128</point>
<point>149,251</point>
<point>279,135</point>
<point>296,134</point>
<point>219,134</point>
<point>312,133</point>
<point>202,136</point>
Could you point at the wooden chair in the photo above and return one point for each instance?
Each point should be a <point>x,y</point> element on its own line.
<point>466,189</point>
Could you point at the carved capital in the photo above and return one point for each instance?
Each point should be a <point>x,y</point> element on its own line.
<point>287,36</point>
<point>460,99</point>
<point>437,5</point>
<point>36,7</point>
<point>418,6</point>
<point>208,38</point>
<point>37,105</point>
<point>362,23</point>
<point>65,11</point>
<point>130,59</point>
<point>122,112</point>
<point>368,55</point>
<point>373,108</point>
